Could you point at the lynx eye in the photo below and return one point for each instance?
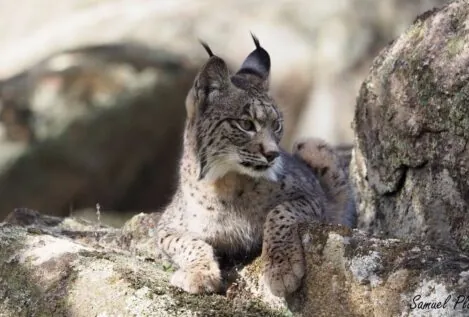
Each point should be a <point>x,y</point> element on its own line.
<point>277,126</point>
<point>247,125</point>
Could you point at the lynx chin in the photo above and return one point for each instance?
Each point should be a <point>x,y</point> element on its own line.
<point>239,194</point>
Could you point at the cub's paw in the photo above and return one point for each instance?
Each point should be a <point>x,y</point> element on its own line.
<point>198,279</point>
<point>283,271</point>
<point>317,153</point>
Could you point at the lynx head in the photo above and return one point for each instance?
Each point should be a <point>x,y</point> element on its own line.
<point>233,123</point>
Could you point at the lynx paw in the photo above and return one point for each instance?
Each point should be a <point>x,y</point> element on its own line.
<point>198,279</point>
<point>283,271</point>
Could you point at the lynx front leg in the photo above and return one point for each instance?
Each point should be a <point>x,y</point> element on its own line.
<point>198,269</point>
<point>282,251</point>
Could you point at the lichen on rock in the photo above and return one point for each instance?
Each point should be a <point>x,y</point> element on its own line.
<point>410,164</point>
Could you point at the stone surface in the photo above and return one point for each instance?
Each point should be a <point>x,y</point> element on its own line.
<point>411,160</point>
<point>78,268</point>
<point>69,267</point>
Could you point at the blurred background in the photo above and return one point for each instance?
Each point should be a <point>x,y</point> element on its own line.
<point>92,91</point>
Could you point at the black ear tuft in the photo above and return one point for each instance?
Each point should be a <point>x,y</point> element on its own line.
<point>256,40</point>
<point>207,48</point>
<point>257,63</point>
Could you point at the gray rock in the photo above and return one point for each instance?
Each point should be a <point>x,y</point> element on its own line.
<point>411,160</point>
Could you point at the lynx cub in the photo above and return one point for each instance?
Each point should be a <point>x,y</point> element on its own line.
<point>238,191</point>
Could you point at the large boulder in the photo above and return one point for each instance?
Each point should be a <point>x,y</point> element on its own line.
<point>66,267</point>
<point>411,159</point>
<point>98,124</point>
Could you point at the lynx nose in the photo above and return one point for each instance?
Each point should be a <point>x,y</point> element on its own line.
<point>271,155</point>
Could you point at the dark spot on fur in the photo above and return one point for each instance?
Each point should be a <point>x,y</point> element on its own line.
<point>246,109</point>
<point>323,171</point>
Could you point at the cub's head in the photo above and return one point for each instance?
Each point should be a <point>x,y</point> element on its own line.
<point>233,123</point>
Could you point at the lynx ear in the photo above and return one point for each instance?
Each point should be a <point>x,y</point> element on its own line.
<point>257,64</point>
<point>213,77</point>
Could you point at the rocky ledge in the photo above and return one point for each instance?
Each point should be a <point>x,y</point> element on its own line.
<point>69,267</point>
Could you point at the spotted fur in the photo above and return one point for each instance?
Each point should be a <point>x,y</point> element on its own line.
<point>239,193</point>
